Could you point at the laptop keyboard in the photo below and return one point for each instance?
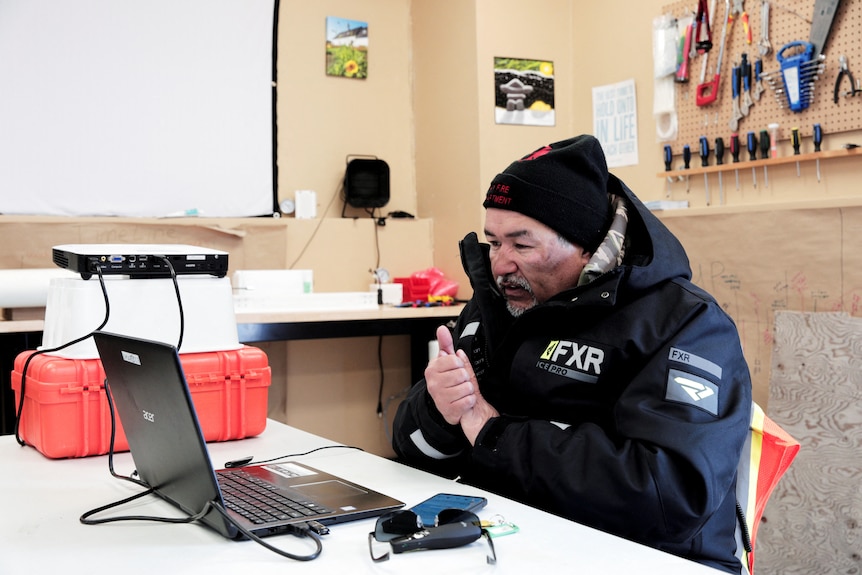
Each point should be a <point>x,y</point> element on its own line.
<point>261,502</point>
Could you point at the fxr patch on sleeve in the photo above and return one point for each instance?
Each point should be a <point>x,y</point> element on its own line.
<point>683,387</point>
<point>682,356</point>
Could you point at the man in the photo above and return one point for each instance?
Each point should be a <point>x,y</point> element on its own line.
<point>587,375</point>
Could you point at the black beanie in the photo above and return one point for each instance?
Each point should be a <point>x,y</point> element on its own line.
<point>563,185</point>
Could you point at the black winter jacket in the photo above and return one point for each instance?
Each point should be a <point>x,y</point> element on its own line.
<point>624,403</point>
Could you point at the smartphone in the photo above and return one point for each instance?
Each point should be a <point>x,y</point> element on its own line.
<point>428,509</point>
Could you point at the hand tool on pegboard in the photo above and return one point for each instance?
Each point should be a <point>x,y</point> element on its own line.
<point>752,155</point>
<point>821,23</point>
<point>719,160</point>
<point>736,112</point>
<point>745,96</point>
<point>794,139</point>
<point>818,138</point>
<point>668,159</point>
<point>704,162</point>
<point>739,12</point>
<point>706,57</point>
<point>702,30</point>
<point>844,71</point>
<point>799,72</point>
<point>764,46</point>
<point>686,158</point>
<point>707,92</point>
<point>758,80</point>
<point>734,152</point>
<point>764,153</point>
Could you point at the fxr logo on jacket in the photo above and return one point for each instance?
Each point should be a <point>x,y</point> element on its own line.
<point>573,360</point>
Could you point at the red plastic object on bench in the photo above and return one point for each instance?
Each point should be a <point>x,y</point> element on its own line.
<point>66,411</point>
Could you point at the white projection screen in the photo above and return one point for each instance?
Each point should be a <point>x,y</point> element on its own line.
<point>139,108</point>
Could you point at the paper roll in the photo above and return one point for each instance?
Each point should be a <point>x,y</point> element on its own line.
<point>28,287</point>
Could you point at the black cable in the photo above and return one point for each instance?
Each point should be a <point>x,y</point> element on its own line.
<point>317,227</point>
<point>111,410</point>
<point>112,413</point>
<point>379,302</point>
<point>179,300</point>
<point>20,410</point>
<point>300,530</point>
<point>249,461</point>
<point>85,518</point>
<point>382,373</point>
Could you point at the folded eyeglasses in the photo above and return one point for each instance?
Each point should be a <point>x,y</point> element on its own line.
<point>404,531</point>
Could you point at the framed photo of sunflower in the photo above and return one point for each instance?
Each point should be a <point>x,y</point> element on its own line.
<point>346,48</point>
<point>524,92</point>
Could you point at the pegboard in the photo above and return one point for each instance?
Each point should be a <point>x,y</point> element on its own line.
<point>789,21</point>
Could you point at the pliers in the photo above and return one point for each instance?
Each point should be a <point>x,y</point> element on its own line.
<point>844,70</point>
<point>738,11</point>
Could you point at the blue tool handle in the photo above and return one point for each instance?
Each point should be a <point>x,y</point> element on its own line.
<point>704,151</point>
<point>686,156</point>
<point>752,146</point>
<point>758,69</point>
<point>668,158</point>
<point>735,80</point>
<point>818,137</point>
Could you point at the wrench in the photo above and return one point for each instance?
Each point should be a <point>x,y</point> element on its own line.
<point>745,70</point>
<point>736,114</point>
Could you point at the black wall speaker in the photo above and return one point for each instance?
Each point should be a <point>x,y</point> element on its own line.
<point>366,183</point>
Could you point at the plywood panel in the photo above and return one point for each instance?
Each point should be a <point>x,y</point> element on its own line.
<point>759,263</point>
<point>813,521</point>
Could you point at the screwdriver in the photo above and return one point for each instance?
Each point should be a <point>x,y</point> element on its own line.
<point>686,158</point>
<point>752,155</point>
<point>764,153</point>
<point>719,160</point>
<point>794,137</point>
<point>704,162</point>
<point>734,151</point>
<point>668,158</point>
<point>818,137</point>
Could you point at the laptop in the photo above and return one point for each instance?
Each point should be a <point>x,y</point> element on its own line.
<point>152,399</point>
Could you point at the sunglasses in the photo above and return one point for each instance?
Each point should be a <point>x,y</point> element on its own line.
<point>404,531</point>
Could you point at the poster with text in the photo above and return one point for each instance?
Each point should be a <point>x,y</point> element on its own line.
<point>524,92</point>
<point>346,48</point>
<point>615,122</point>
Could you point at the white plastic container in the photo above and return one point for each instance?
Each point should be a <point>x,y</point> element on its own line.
<point>145,308</point>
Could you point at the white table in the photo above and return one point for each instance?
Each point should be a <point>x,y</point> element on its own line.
<point>43,499</point>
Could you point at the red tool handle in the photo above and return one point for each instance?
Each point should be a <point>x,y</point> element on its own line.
<point>707,92</point>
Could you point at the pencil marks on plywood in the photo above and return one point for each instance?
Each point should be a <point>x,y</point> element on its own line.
<point>813,521</point>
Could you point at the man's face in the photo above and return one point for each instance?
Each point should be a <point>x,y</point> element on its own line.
<point>530,261</point>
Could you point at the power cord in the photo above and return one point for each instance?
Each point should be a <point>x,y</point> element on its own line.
<point>179,300</point>
<point>250,460</point>
<point>25,369</point>
<point>300,529</point>
<point>317,227</point>
<point>20,410</point>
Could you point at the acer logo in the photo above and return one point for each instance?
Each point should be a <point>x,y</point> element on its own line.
<point>149,416</point>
